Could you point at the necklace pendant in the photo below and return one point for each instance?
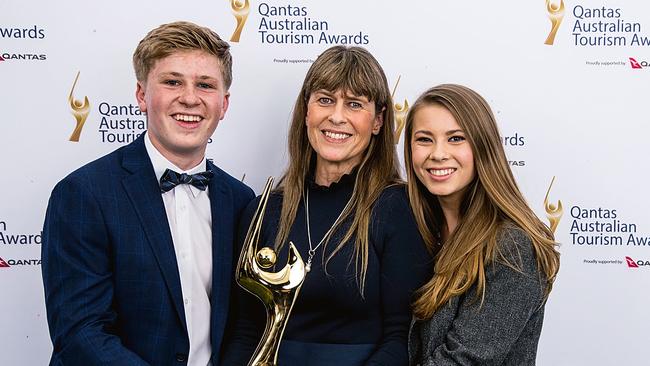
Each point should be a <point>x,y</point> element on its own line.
<point>312,248</point>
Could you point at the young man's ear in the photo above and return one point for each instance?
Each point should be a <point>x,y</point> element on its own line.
<point>226,103</point>
<point>140,97</point>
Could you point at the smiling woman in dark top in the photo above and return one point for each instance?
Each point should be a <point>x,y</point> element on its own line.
<point>342,204</point>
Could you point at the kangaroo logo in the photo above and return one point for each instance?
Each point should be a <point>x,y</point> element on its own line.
<point>635,64</point>
<point>631,263</point>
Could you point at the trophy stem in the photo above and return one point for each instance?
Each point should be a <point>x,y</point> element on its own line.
<point>277,290</point>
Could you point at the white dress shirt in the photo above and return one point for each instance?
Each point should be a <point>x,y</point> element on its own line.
<point>190,222</point>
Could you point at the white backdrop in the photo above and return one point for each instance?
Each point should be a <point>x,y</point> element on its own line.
<point>576,110</point>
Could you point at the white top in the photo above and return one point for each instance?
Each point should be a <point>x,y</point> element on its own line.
<point>190,222</point>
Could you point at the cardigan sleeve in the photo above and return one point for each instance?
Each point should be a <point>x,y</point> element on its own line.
<point>484,334</point>
<point>405,266</point>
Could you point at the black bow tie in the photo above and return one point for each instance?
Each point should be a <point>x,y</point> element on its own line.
<point>171,179</point>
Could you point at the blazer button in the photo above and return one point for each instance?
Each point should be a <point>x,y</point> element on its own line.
<point>181,357</point>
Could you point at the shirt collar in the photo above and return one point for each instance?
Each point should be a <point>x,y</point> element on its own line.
<point>160,164</point>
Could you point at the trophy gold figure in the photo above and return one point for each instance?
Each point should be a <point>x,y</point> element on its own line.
<point>400,118</point>
<point>555,13</point>
<point>400,110</point>
<point>240,10</point>
<point>554,212</point>
<point>80,111</point>
<point>277,290</point>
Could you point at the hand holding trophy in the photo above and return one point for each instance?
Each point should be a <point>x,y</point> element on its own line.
<point>277,290</point>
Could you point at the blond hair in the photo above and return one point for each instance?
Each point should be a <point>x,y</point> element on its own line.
<point>180,36</point>
<point>354,70</point>
<point>492,201</point>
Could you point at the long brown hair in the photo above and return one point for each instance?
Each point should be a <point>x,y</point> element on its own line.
<point>491,202</point>
<point>354,70</point>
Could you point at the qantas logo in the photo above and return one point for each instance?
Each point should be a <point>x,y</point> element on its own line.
<point>19,262</point>
<point>22,57</point>
<point>639,64</point>
<point>631,263</point>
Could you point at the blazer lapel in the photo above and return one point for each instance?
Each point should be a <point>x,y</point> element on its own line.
<point>221,205</point>
<point>143,190</point>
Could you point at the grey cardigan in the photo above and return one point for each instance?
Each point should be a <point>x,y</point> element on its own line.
<point>503,331</point>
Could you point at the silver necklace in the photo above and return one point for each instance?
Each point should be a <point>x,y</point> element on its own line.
<point>312,249</point>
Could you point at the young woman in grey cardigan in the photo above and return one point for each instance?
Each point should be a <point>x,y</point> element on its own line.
<point>495,260</point>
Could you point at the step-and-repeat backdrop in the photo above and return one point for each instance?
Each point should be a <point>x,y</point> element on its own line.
<point>569,82</point>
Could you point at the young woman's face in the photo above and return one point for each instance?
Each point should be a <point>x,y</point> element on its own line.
<point>442,157</point>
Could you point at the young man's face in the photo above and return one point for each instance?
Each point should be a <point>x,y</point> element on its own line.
<point>185,98</point>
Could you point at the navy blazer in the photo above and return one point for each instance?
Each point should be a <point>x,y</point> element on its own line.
<point>112,287</point>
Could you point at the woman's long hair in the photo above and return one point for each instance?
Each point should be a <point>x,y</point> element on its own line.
<point>353,70</point>
<point>491,201</point>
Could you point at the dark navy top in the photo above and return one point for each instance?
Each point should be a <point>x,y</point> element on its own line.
<point>332,323</point>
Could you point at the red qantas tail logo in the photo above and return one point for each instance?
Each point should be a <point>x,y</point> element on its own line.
<point>635,64</point>
<point>3,264</point>
<point>1,58</point>
<point>631,263</point>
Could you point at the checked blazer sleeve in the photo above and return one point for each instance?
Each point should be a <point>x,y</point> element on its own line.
<point>78,280</point>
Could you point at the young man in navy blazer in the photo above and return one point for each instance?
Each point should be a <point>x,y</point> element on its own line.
<point>138,245</point>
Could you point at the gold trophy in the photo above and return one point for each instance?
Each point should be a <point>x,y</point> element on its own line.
<point>400,117</point>
<point>80,111</point>
<point>400,110</point>
<point>240,10</point>
<point>277,290</point>
<point>554,212</point>
<point>555,14</point>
